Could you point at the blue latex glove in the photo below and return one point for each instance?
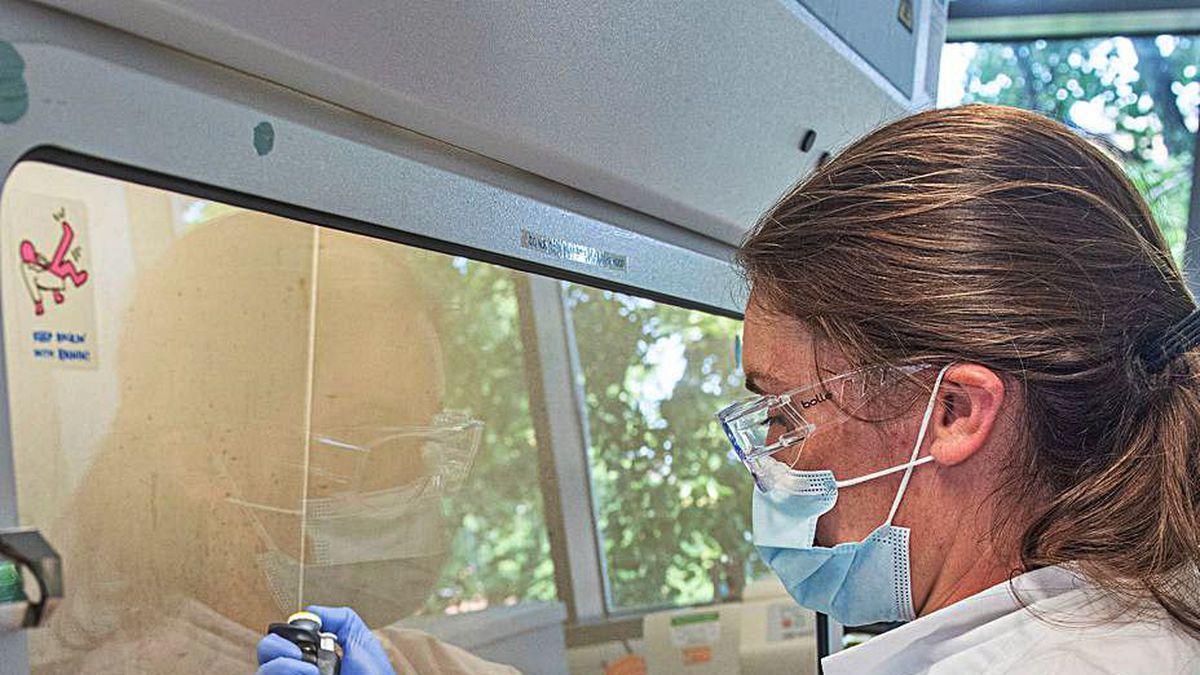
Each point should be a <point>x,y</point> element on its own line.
<point>362,653</point>
<point>277,656</point>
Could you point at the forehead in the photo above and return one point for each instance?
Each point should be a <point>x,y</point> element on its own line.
<point>777,350</point>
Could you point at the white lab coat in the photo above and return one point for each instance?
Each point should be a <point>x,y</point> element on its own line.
<point>1080,631</point>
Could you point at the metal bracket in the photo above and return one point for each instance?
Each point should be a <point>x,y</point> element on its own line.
<point>24,550</point>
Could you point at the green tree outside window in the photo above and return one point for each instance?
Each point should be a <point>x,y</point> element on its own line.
<point>1137,96</point>
<point>673,509</point>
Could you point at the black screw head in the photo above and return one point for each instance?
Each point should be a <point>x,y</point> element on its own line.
<point>806,141</point>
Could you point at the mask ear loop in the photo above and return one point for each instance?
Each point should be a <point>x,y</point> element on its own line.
<point>912,461</point>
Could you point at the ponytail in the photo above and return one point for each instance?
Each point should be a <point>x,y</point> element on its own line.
<point>1133,526</point>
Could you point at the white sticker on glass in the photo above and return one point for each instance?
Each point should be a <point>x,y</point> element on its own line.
<point>46,259</point>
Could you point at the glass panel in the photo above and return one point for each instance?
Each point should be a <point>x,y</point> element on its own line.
<point>1140,96</point>
<point>221,415</point>
<point>674,509</point>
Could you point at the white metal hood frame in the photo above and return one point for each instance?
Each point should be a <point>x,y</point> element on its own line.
<point>688,111</point>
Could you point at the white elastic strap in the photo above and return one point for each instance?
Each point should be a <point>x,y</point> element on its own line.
<point>912,462</point>
<point>246,507</point>
<point>885,472</point>
<point>262,507</point>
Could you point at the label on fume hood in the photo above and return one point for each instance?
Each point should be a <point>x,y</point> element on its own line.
<point>47,269</point>
<point>569,250</point>
<point>690,630</point>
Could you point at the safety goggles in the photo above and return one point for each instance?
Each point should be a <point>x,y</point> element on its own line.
<point>761,426</point>
<point>445,450</point>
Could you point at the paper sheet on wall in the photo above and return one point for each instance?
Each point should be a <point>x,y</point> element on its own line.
<point>695,629</point>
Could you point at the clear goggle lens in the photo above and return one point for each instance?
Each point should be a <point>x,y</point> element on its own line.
<point>763,426</point>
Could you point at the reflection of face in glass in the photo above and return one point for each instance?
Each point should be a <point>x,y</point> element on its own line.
<point>251,346</point>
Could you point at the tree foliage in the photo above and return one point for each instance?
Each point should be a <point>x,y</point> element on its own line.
<point>499,551</point>
<point>1137,96</point>
<point>673,509</point>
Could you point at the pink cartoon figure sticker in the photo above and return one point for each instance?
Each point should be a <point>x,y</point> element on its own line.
<point>44,275</point>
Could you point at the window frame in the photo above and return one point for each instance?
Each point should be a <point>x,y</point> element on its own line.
<point>988,21</point>
<point>1191,245</point>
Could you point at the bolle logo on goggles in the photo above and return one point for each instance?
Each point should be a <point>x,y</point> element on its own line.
<point>824,396</point>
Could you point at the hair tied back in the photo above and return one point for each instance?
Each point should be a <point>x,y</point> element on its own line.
<point>1178,339</point>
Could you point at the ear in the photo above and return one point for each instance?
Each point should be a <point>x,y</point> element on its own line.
<point>967,405</point>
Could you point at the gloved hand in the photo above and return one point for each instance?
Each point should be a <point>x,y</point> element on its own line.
<point>277,656</point>
<point>363,654</point>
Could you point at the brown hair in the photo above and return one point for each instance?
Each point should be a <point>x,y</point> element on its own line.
<point>995,236</point>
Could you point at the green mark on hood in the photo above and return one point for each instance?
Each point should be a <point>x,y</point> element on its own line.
<point>14,94</point>
<point>264,138</point>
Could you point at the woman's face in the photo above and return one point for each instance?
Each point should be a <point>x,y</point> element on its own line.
<point>781,354</point>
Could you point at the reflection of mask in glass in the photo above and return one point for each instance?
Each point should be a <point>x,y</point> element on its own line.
<point>379,551</point>
<point>382,591</point>
<point>403,522</point>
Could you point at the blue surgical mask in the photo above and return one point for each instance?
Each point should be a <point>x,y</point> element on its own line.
<point>856,583</point>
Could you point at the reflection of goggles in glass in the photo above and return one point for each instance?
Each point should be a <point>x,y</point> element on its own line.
<point>446,447</point>
<point>761,426</point>
<point>343,520</point>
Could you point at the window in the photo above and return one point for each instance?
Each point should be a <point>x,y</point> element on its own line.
<point>674,510</point>
<point>1139,96</point>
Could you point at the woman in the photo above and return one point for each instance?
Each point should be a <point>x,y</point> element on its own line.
<point>1042,512</point>
<point>979,408</point>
